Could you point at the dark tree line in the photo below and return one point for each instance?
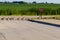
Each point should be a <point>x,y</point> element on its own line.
<point>22,2</point>
<point>17,2</point>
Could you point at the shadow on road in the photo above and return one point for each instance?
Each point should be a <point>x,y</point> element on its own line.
<point>41,22</point>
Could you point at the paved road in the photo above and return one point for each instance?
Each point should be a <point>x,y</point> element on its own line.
<point>25,30</point>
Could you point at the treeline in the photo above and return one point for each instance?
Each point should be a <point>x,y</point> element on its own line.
<point>32,11</point>
<point>18,2</point>
<point>23,2</point>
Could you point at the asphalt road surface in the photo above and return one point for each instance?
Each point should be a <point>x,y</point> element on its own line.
<point>26,30</point>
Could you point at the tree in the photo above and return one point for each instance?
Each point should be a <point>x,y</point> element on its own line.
<point>34,2</point>
<point>46,2</point>
<point>19,2</point>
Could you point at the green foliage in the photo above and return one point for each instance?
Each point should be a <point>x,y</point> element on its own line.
<point>29,9</point>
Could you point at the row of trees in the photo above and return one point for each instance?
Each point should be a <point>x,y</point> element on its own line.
<point>19,2</point>
<point>22,2</point>
<point>32,11</point>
